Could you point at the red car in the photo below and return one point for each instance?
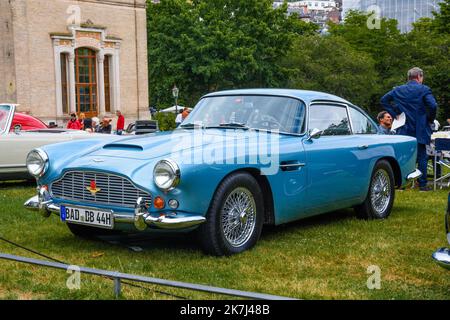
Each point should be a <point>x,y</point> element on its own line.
<point>27,122</point>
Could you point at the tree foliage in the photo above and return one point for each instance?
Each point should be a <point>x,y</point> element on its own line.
<point>204,46</point>
<point>331,64</point>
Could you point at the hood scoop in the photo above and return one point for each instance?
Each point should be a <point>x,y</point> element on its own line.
<point>123,146</point>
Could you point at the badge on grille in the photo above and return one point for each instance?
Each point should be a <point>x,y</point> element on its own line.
<point>93,188</point>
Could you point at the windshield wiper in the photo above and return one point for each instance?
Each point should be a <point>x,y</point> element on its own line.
<point>192,126</point>
<point>232,125</point>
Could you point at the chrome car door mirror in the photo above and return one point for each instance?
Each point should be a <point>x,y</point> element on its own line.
<point>17,128</point>
<point>314,134</point>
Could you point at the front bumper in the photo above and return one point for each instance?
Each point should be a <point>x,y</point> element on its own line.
<point>141,218</point>
<point>442,258</point>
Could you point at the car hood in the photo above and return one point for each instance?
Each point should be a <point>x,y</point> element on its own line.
<point>164,144</point>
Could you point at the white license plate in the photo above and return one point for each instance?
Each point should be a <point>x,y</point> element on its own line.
<point>87,216</point>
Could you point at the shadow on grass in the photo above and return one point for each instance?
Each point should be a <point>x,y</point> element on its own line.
<point>311,222</point>
<point>188,241</point>
<point>17,184</point>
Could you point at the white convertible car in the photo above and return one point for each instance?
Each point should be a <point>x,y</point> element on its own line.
<point>16,143</point>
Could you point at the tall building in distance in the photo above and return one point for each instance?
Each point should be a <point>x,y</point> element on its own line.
<point>406,12</point>
<point>316,11</point>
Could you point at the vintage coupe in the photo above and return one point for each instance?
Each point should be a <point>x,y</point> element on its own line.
<point>19,134</point>
<point>213,177</point>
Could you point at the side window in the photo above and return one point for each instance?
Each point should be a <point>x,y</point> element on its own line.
<point>332,120</point>
<point>360,123</point>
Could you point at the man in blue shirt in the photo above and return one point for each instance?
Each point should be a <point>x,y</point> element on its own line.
<point>420,107</point>
<point>385,123</point>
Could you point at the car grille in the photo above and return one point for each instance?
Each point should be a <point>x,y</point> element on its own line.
<point>114,190</point>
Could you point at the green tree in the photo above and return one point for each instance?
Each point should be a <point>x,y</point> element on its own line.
<point>205,46</point>
<point>441,22</point>
<point>332,65</point>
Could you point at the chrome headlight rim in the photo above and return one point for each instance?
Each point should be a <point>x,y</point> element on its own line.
<point>45,162</point>
<point>175,171</point>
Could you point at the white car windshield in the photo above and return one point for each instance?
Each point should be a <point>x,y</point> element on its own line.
<point>272,113</point>
<point>4,116</point>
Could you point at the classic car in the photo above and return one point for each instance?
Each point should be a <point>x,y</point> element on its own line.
<point>19,134</point>
<point>241,160</point>
<point>442,255</point>
<point>25,122</point>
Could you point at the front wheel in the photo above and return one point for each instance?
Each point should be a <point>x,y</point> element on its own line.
<point>380,198</point>
<point>235,218</point>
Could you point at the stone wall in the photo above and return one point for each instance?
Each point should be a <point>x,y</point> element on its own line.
<point>7,69</point>
<point>35,20</point>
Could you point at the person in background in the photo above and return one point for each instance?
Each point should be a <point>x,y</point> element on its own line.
<point>120,123</point>
<point>73,123</point>
<point>105,126</point>
<point>95,125</point>
<point>419,105</point>
<point>81,119</point>
<point>185,114</point>
<point>385,123</point>
<point>179,118</point>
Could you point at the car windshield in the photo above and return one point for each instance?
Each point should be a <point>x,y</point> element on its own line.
<point>4,116</point>
<point>272,113</point>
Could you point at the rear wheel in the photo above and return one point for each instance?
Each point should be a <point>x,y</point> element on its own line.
<point>380,198</point>
<point>89,232</point>
<point>235,218</point>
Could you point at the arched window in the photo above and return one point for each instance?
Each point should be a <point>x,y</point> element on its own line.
<point>86,81</point>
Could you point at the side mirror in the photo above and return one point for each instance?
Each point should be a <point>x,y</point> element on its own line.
<point>17,128</point>
<point>314,134</point>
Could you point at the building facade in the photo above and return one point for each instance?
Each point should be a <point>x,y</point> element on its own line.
<point>64,56</point>
<point>406,12</point>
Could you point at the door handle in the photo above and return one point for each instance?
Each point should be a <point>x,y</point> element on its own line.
<point>290,166</point>
<point>363,147</point>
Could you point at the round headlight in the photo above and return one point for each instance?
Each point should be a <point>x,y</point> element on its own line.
<point>37,163</point>
<point>166,175</point>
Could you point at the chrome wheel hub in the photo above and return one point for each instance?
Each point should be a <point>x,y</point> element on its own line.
<point>238,217</point>
<point>380,192</point>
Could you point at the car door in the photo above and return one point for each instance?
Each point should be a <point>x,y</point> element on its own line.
<point>336,162</point>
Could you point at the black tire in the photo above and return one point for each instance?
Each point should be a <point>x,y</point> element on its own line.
<point>368,209</point>
<point>87,232</point>
<point>211,234</point>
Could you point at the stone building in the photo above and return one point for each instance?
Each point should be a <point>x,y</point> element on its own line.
<point>63,56</point>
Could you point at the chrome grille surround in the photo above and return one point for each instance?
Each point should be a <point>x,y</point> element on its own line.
<point>114,189</point>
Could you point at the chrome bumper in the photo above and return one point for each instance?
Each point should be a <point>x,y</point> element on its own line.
<point>414,175</point>
<point>442,258</point>
<point>142,219</point>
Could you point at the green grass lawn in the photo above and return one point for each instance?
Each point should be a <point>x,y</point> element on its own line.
<point>320,258</point>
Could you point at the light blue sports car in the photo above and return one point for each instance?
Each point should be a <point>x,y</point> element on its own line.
<point>241,160</point>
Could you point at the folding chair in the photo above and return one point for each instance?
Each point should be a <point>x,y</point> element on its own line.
<point>441,145</point>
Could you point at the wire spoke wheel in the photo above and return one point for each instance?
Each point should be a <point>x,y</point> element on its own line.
<point>238,217</point>
<point>380,191</point>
